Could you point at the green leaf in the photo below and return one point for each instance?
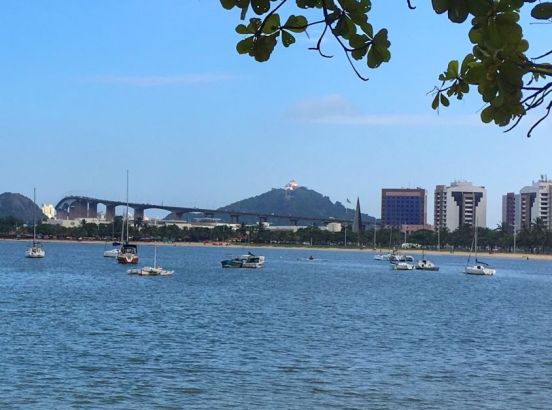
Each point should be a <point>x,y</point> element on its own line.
<point>542,11</point>
<point>242,29</point>
<point>440,6</point>
<point>245,45</point>
<point>452,70</point>
<point>228,4</point>
<point>435,103</point>
<point>479,8</point>
<point>444,100</point>
<point>287,39</point>
<point>260,7</point>
<point>271,24</point>
<point>297,24</point>
<point>487,114</point>
<point>263,47</point>
<point>458,12</point>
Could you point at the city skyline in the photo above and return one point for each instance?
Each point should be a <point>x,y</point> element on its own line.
<point>121,86</point>
<point>465,186</point>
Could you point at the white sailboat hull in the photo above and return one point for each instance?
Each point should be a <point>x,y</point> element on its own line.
<point>112,253</point>
<point>480,270</point>
<point>402,266</point>
<point>35,253</point>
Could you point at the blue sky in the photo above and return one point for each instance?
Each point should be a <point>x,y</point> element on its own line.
<point>92,88</point>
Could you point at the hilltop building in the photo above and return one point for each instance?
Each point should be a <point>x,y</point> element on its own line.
<point>401,207</point>
<point>49,210</point>
<point>461,203</point>
<point>291,185</point>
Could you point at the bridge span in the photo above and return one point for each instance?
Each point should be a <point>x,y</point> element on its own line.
<point>79,207</point>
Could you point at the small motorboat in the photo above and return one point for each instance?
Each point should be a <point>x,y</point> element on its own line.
<point>382,257</point>
<point>425,264</point>
<point>244,261</point>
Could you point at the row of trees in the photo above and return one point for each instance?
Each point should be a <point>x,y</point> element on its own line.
<point>535,238</point>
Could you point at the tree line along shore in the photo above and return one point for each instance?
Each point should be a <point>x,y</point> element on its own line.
<point>533,240</point>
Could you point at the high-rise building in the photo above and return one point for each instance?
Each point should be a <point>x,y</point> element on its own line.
<point>403,207</point>
<point>534,203</point>
<point>460,204</point>
<point>509,211</point>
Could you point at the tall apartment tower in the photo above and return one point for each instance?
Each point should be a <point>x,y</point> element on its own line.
<point>509,211</point>
<point>460,204</point>
<point>534,203</point>
<point>400,207</point>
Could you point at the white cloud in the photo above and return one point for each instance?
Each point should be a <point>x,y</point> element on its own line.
<point>161,80</point>
<point>337,110</point>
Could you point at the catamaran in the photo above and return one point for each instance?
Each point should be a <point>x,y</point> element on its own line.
<point>35,251</point>
<point>154,270</point>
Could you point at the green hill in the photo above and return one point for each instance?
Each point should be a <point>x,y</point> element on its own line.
<point>19,206</point>
<point>299,202</point>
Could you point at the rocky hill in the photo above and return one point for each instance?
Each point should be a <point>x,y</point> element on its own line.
<point>19,207</point>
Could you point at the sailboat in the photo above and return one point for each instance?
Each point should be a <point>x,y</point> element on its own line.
<point>154,270</point>
<point>35,251</point>
<point>115,246</point>
<point>425,264</point>
<point>480,268</point>
<point>128,254</point>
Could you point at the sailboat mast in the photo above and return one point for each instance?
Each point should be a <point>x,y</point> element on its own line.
<point>126,210</point>
<point>34,216</point>
<point>475,237</point>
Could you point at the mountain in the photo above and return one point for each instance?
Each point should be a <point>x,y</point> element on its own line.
<point>19,207</point>
<point>299,201</point>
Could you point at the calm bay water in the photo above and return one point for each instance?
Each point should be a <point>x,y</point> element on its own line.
<point>342,331</point>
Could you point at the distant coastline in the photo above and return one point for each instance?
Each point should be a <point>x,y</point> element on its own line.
<point>519,255</point>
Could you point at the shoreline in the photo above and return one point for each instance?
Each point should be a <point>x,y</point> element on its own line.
<point>517,255</point>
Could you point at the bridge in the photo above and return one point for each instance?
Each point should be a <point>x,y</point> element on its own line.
<point>80,207</point>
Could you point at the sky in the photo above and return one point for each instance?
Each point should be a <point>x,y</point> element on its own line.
<point>90,89</point>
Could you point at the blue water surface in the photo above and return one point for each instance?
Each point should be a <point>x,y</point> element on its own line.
<point>340,332</point>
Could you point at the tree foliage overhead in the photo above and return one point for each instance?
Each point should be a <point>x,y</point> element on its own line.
<point>509,82</point>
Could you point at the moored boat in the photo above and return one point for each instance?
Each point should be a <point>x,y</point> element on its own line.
<point>480,268</point>
<point>114,251</point>
<point>128,254</point>
<point>244,261</point>
<point>402,266</point>
<point>425,264</point>
<point>154,270</point>
<point>35,251</point>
